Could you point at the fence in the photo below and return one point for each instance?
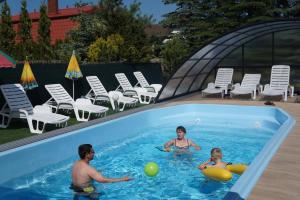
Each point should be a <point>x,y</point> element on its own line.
<point>55,73</point>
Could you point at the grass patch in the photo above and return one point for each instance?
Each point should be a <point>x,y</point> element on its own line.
<point>18,129</point>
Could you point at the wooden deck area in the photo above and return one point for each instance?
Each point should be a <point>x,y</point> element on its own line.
<point>281,179</point>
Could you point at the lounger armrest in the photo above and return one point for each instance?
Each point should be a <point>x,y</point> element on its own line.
<point>150,89</point>
<point>237,85</point>
<point>42,109</point>
<point>267,86</point>
<point>211,85</point>
<point>24,112</point>
<point>61,104</point>
<point>137,84</point>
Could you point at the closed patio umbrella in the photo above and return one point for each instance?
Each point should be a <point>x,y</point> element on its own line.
<point>27,78</point>
<point>6,61</point>
<point>73,70</point>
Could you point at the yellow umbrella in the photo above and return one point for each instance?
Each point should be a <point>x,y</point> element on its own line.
<point>73,70</point>
<point>27,78</point>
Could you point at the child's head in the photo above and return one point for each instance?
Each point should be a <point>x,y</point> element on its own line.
<point>216,154</point>
<point>180,130</point>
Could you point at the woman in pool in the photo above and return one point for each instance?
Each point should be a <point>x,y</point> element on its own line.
<point>180,143</point>
<point>215,159</point>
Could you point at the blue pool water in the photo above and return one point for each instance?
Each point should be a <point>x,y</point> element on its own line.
<point>241,138</point>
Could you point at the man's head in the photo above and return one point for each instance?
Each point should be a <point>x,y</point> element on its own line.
<point>180,130</point>
<point>86,151</point>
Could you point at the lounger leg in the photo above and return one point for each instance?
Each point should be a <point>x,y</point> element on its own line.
<point>285,96</point>
<point>80,117</point>
<point>5,120</point>
<point>36,129</point>
<point>253,94</point>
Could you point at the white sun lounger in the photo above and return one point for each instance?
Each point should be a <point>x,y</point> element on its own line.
<point>279,82</point>
<point>142,94</point>
<point>83,108</point>
<point>248,86</point>
<point>144,83</point>
<point>99,93</point>
<point>18,106</point>
<point>221,84</point>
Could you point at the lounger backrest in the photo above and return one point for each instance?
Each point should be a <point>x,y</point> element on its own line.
<point>141,79</point>
<point>280,77</point>
<point>59,94</point>
<point>250,81</point>
<point>123,81</point>
<point>96,85</point>
<point>224,77</point>
<point>16,98</point>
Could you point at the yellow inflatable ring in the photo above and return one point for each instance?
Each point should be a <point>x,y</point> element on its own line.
<point>217,174</point>
<point>237,168</point>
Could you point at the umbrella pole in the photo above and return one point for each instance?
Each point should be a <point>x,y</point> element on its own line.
<point>73,90</point>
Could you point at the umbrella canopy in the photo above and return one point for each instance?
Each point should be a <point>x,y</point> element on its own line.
<point>6,61</point>
<point>73,70</point>
<point>27,78</point>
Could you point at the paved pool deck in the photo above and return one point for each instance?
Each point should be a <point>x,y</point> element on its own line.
<point>281,179</point>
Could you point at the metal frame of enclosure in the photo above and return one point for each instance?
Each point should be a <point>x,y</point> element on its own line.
<point>192,74</point>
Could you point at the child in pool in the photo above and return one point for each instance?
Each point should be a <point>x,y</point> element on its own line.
<point>215,159</point>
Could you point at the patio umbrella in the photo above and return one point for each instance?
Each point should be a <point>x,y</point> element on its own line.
<point>73,70</point>
<point>27,78</point>
<point>6,61</point>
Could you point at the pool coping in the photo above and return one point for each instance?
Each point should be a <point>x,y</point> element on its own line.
<point>239,191</point>
<point>245,184</point>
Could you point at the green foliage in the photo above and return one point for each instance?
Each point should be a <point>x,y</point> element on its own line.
<point>25,47</point>
<point>201,21</point>
<point>45,49</point>
<point>90,28</point>
<point>7,33</point>
<point>174,51</point>
<point>106,50</point>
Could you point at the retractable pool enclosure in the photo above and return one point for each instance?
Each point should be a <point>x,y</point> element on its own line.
<point>250,49</point>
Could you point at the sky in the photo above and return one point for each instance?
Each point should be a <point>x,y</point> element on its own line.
<point>149,7</point>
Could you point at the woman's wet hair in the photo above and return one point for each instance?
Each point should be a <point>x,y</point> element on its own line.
<point>181,128</point>
<point>216,153</point>
<point>84,149</point>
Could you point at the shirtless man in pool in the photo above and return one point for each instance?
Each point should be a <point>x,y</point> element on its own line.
<point>83,173</point>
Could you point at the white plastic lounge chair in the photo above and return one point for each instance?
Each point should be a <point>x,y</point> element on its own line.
<point>83,108</point>
<point>248,86</point>
<point>144,83</point>
<point>99,93</point>
<point>279,83</point>
<point>142,94</point>
<point>221,84</point>
<point>18,106</point>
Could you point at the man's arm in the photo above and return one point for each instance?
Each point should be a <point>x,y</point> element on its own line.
<point>197,147</point>
<point>97,176</point>
<point>168,145</point>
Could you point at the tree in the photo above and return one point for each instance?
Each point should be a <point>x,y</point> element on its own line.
<point>26,43</point>
<point>201,21</point>
<point>44,38</point>
<point>174,51</point>
<point>7,33</point>
<point>130,24</point>
<point>106,50</point>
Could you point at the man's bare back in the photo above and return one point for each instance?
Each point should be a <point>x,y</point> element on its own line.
<point>80,174</point>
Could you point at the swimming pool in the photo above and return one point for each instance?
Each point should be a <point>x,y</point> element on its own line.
<point>123,146</point>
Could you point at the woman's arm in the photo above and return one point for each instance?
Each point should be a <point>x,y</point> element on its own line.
<point>168,145</point>
<point>197,147</point>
